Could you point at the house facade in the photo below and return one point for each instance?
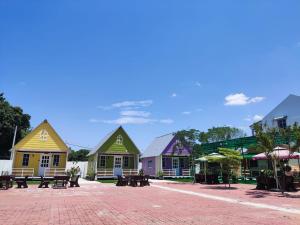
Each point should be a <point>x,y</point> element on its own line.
<point>167,156</point>
<point>115,155</point>
<point>40,153</point>
<point>287,113</point>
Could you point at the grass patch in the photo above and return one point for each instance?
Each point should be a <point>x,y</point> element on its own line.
<point>183,180</point>
<point>253,182</point>
<point>108,181</point>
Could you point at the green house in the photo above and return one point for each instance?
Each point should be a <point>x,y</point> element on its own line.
<point>115,155</point>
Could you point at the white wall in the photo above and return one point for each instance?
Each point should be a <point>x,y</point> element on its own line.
<point>82,165</point>
<point>5,165</point>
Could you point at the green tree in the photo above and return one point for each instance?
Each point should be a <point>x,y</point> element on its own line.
<point>80,155</point>
<point>216,134</point>
<point>10,117</point>
<point>266,142</point>
<point>230,163</point>
<point>190,138</point>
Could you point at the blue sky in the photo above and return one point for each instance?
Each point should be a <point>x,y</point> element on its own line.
<point>153,66</point>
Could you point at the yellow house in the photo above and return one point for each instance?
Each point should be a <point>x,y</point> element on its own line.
<point>40,153</point>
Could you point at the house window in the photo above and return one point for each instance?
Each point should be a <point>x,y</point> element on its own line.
<point>179,144</point>
<point>25,160</point>
<point>102,161</point>
<point>119,140</point>
<point>281,123</point>
<point>56,160</point>
<point>126,161</point>
<point>150,162</point>
<point>43,135</point>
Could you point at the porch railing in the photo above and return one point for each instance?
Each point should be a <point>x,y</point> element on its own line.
<point>127,172</point>
<point>105,172</point>
<point>169,172</point>
<point>110,172</point>
<point>51,172</point>
<point>186,172</point>
<point>22,172</point>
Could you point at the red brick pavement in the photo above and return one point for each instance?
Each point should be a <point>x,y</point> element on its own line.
<point>107,204</point>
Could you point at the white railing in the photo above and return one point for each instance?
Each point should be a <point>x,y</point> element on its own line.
<point>169,172</point>
<point>127,172</point>
<point>105,172</point>
<point>22,172</point>
<point>186,172</point>
<point>51,172</point>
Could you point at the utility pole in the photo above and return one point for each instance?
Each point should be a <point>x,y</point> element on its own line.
<point>13,144</point>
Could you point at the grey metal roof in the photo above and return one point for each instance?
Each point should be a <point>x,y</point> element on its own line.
<point>92,152</point>
<point>158,145</point>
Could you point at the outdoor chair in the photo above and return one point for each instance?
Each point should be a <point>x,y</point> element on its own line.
<point>74,182</point>
<point>44,183</point>
<point>122,181</point>
<point>22,182</point>
<point>144,181</point>
<point>261,182</point>
<point>6,182</point>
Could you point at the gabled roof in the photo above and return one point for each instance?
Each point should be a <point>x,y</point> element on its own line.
<point>106,138</point>
<point>158,145</point>
<point>59,144</point>
<point>287,106</point>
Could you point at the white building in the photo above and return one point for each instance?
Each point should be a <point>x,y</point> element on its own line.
<point>287,113</point>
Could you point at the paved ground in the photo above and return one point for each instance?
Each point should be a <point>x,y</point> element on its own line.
<point>161,203</point>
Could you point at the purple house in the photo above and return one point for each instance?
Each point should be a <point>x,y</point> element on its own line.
<point>166,155</point>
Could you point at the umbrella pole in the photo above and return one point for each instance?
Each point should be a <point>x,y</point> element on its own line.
<point>205,172</point>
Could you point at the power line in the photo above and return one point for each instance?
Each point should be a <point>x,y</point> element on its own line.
<point>88,148</point>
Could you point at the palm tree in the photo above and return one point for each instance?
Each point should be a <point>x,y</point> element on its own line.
<point>266,142</point>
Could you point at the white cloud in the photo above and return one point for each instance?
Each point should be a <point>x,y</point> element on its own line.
<point>174,95</point>
<point>94,120</point>
<point>186,113</point>
<point>127,105</point>
<point>198,84</point>
<point>241,99</point>
<point>254,118</point>
<point>199,110</point>
<point>257,118</point>
<point>167,121</point>
<point>135,113</point>
<point>129,120</point>
<point>143,103</point>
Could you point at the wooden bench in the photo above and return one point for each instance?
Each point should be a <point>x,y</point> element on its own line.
<point>6,182</point>
<point>74,182</point>
<point>21,182</point>
<point>45,182</point>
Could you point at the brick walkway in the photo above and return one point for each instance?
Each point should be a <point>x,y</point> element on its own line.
<point>106,204</point>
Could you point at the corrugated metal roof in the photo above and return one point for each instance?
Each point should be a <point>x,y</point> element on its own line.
<point>158,145</point>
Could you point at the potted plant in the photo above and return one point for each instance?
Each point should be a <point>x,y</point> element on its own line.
<point>160,175</point>
<point>73,172</point>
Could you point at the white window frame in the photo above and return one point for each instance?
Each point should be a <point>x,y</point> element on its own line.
<point>27,159</point>
<point>102,159</point>
<point>54,163</point>
<point>119,140</point>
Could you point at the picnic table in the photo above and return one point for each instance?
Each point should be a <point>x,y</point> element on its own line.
<point>61,181</point>
<point>6,182</point>
<point>135,179</point>
<point>45,182</point>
